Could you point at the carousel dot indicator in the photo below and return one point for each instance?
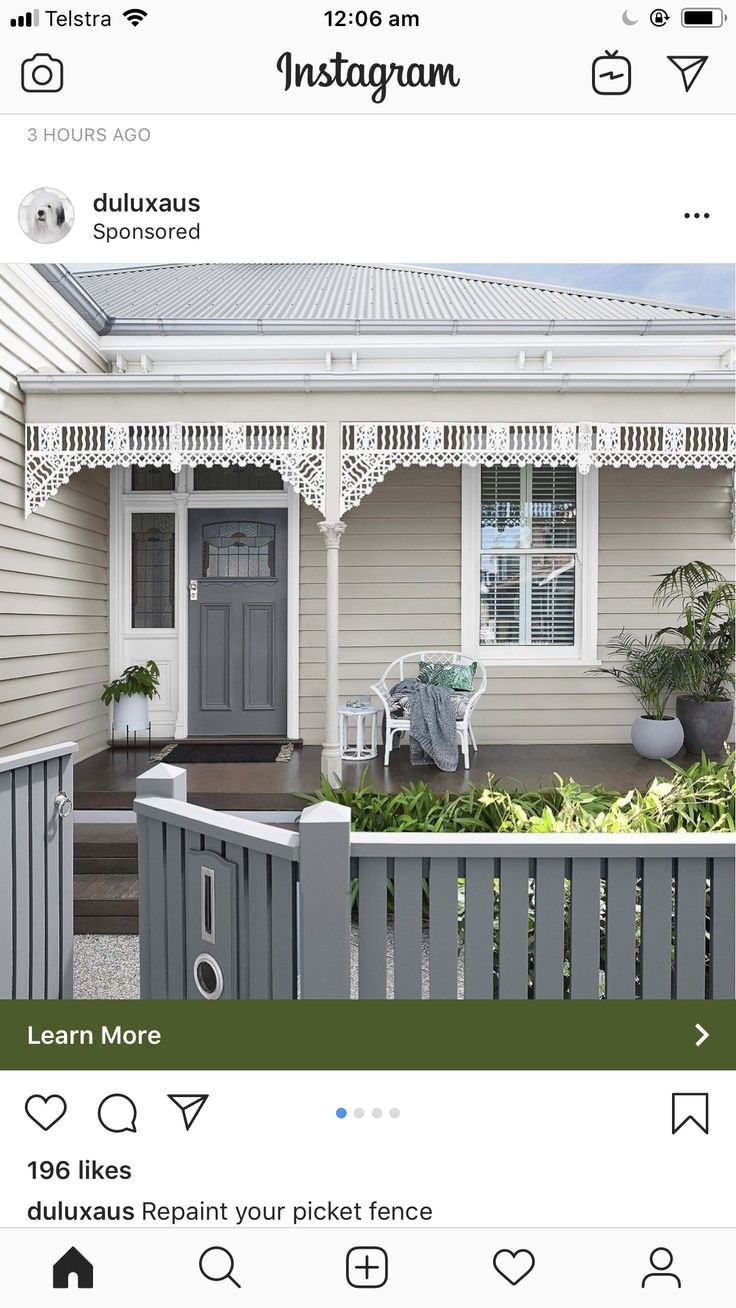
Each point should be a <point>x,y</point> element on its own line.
<point>341,1112</point>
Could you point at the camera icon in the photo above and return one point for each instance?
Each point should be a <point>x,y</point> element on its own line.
<point>42,73</point>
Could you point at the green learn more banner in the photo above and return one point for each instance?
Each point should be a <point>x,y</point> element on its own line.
<point>345,1035</point>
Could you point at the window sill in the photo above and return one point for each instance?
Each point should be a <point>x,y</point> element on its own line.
<point>511,662</point>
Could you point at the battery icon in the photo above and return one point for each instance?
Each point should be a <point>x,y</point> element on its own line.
<point>702,18</point>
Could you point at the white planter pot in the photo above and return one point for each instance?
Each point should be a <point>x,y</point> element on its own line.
<point>657,737</point>
<point>131,713</point>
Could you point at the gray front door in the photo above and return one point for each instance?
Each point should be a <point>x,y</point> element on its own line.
<point>237,622</point>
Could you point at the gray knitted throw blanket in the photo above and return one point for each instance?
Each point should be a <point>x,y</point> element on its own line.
<point>432,732</point>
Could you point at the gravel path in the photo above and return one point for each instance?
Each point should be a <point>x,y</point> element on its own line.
<point>354,950</point>
<point>106,967</point>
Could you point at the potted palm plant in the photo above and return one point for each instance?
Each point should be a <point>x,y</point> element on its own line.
<point>130,693</point>
<point>644,667</point>
<point>703,659</point>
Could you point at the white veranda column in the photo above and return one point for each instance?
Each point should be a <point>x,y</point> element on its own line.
<point>331,759</point>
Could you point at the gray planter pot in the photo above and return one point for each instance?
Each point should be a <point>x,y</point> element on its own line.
<point>706,726</point>
<point>657,737</point>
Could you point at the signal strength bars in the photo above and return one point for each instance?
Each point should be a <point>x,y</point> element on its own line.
<point>28,19</point>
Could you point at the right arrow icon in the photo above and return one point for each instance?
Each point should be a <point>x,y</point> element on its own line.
<point>704,1035</point>
<point>690,67</point>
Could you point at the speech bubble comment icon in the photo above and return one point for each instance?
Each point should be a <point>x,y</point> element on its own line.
<point>117,1113</point>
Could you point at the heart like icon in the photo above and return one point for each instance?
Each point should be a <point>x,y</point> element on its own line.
<point>514,1265</point>
<point>45,1112</point>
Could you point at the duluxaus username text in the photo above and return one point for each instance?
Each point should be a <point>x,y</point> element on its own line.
<point>145,204</point>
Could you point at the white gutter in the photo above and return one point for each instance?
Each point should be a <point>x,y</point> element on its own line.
<point>710,383</point>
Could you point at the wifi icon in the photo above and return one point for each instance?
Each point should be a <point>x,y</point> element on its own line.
<point>135,16</point>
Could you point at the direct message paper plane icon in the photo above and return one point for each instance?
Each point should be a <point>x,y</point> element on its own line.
<point>691,66</point>
<point>190,1105</point>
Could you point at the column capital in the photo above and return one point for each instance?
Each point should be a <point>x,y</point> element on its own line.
<point>332,532</point>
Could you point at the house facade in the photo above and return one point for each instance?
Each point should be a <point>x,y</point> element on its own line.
<point>275,479</point>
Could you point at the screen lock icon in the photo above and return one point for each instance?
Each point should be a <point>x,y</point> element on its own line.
<point>659,18</point>
<point>611,74</point>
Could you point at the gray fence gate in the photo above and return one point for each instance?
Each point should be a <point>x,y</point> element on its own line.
<point>217,899</point>
<point>238,909</point>
<point>36,874</point>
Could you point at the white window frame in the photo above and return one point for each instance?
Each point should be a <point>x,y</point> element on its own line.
<point>585,650</point>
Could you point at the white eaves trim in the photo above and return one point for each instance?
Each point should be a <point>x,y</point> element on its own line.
<point>48,295</point>
<point>674,383</point>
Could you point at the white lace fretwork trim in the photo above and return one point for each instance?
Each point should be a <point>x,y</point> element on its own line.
<point>54,452</point>
<point>371,450</point>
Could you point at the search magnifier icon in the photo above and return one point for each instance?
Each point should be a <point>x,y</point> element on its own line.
<point>218,1264</point>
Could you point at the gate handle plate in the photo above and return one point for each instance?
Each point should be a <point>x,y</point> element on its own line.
<point>193,590</point>
<point>62,804</point>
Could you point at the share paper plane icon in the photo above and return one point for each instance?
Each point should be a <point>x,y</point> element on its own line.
<point>190,1105</point>
<point>690,66</point>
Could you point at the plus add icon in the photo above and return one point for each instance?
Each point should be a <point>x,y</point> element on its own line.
<point>366,1267</point>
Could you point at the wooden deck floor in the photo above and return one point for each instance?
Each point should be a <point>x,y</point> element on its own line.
<point>107,780</point>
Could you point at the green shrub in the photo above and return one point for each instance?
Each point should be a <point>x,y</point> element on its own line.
<point>702,665</point>
<point>696,799</point>
<point>138,679</point>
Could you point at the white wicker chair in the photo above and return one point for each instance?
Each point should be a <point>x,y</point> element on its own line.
<point>408,666</point>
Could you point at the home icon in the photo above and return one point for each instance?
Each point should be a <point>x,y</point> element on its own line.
<point>71,1264</point>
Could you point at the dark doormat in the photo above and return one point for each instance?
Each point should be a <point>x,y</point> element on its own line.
<point>223,751</point>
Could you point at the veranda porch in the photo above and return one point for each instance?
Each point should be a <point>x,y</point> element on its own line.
<point>335,465</point>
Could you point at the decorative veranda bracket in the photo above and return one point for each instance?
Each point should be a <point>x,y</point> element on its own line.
<point>54,452</point>
<point>370,450</point>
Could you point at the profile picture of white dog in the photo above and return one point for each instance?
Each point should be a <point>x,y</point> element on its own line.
<point>46,216</point>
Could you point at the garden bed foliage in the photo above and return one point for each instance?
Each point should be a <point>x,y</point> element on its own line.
<point>696,799</point>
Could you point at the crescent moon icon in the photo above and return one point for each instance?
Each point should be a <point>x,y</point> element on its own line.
<point>630,22</point>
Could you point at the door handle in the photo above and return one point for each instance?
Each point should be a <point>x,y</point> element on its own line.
<point>193,589</point>
<point>62,804</point>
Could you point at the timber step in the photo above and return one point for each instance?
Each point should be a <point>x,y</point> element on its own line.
<point>105,879</point>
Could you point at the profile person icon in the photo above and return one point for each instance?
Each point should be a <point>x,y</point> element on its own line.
<point>661,1260</point>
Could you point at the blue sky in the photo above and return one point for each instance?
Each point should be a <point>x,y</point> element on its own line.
<point>710,285</point>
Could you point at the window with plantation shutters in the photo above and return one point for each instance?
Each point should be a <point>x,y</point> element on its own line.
<point>529,564</point>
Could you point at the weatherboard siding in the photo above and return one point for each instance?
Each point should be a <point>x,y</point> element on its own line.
<point>400,568</point>
<point>53,565</point>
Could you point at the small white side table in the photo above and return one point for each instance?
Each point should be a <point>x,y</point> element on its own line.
<point>361,716</point>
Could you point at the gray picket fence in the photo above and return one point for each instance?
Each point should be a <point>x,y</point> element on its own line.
<point>238,909</point>
<point>36,873</point>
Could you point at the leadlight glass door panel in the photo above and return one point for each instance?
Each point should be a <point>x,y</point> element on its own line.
<point>152,570</point>
<point>237,622</point>
<point>242,551</point>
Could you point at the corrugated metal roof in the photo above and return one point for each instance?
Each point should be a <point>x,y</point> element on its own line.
<point>311,293</point>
